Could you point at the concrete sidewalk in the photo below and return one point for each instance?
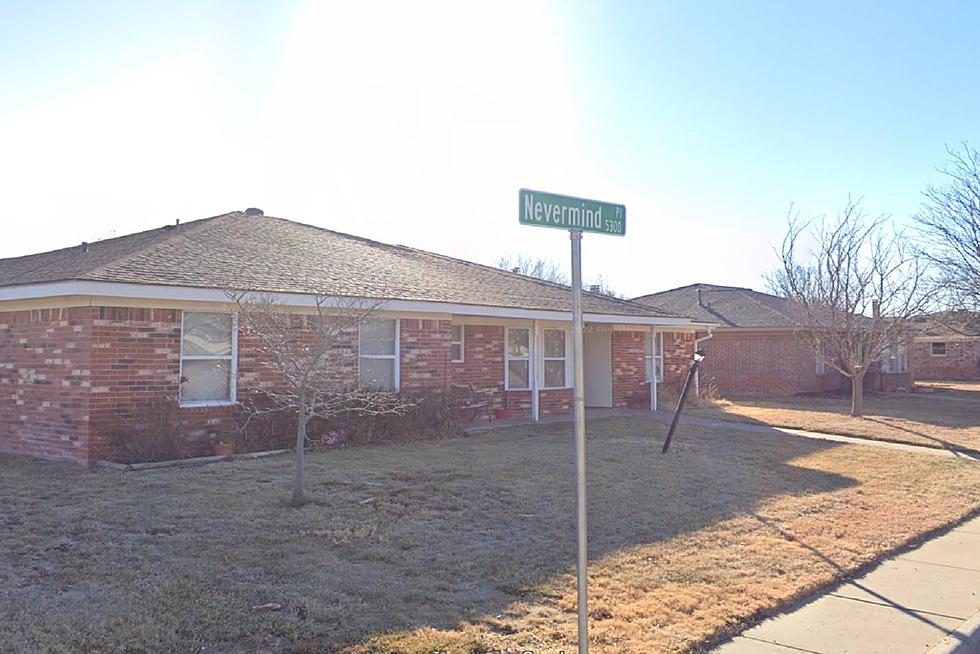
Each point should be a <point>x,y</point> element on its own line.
<point>925,600</point>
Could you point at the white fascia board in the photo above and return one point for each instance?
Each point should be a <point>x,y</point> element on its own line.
<point>194,294</point>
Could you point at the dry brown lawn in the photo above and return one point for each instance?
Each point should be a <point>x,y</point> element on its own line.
<point>463,545</point>
<point>948,417</point>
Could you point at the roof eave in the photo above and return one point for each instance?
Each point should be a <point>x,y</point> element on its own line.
<point>168,293</point>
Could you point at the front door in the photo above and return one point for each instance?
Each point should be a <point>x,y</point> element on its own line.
<point>598,368</point>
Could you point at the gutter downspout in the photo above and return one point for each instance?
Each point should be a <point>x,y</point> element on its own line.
<point>697,346</point>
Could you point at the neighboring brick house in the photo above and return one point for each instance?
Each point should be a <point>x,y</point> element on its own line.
<point>755,349</point>
<point>947,346</point>
<point>91,334</point>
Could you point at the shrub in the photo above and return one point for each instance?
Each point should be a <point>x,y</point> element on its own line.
<point>150,432</point>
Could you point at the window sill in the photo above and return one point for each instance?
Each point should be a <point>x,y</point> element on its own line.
<point>198,405</point>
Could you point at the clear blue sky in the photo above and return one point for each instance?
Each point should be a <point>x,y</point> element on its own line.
<point>418,123</point>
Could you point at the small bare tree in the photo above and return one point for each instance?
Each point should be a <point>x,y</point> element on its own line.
<point>855,290</point>
<point>949,222</point>
<point>312,355</point>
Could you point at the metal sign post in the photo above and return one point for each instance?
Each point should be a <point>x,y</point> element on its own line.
<point>578,400</point>
<point>576,215</point>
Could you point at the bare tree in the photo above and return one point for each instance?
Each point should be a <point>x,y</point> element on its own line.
<point>949,222</point>
<point>599,284</point>
<point>856,289</point>
<point>545,269</point>
<point>312,355</point>
<point>551,271</point>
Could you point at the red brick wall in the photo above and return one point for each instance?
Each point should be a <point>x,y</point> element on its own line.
<point>745,363</point>
<point>73,381</point>
<point>629,388</point>
<point>136,363</point>
<point>962,360</point>
<point>483,365</point>
<point>678,357</point>
<point>425,353</point>
<point>44,382</point>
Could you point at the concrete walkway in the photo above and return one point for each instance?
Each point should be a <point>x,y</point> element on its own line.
<point>926,600</point>
<point>480,426</point>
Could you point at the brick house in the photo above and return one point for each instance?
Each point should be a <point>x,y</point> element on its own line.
<point>754,349</point>
<point>947,346</point>
<point>90,334</point>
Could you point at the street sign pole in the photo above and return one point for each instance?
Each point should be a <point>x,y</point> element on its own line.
<point>579,408</point>
<point>576,215</point>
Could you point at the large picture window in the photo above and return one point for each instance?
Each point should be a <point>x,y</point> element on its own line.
<point>654,355</point>
<point>555,358</point>
<point>518,359</point>
<point>208,357</point>
<point>378,353</point>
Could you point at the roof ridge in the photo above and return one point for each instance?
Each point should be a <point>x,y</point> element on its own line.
<point>777,309</point>
<point>501,271</point>
<point>175,230</point>
<point>705,285</point>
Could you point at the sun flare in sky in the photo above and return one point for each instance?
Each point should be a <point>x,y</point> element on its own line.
<point>417,123</point>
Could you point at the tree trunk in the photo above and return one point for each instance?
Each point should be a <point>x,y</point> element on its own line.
<point>857,394</point>
<point>298,472</point>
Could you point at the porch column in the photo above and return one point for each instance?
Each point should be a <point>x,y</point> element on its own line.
<point>653,368</point>
<point>532,370</point>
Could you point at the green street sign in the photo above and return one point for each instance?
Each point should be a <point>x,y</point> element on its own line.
<point>564,212</point>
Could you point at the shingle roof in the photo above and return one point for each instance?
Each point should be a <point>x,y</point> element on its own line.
<point>263,253</point>
<point>949,324</point>
<point>730,306</point>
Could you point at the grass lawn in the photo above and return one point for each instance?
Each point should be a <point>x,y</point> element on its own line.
<point>465,545</point>
<point>948,417</point>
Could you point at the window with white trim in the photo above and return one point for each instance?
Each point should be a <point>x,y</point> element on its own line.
<point>555,358</point>
<point>208,354</point>
<point>938,349</point>
<point>517,364</point>
<point>894,358</point>
<point>654,355</point>
<point>458,339</point>
<point>377,349</point>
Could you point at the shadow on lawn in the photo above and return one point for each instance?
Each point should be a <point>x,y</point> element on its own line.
<point>946,445</point>
<point>396,537</point>
<point>507,526</point>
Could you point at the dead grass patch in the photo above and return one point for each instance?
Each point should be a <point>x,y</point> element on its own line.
<point>466,545</point>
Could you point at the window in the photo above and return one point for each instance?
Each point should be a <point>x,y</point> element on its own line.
<point>518,359</point>
<point>458,339</point>
<point>555,358</point>
<point>894,359</point>
<point>377,341</point>
<point>821,365</point>
<point>208,353</point>
<point>654,354</point>
<point>938,349</point>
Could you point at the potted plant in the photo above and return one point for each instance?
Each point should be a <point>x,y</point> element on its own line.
<point>501,413</point>
<point>221,445</point>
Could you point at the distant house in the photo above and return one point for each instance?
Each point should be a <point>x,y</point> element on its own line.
<point>947,346</point>
<point>755,349</point>
<point>90,335</point>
